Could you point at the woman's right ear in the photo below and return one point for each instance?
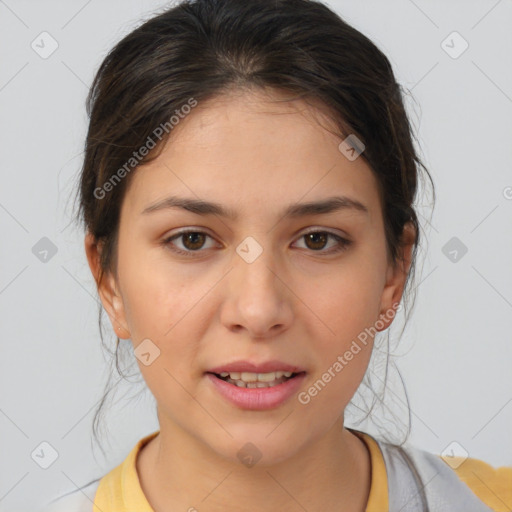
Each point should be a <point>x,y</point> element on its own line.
<point>107,287</point>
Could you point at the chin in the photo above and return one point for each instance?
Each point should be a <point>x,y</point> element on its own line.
<point>254,447</point>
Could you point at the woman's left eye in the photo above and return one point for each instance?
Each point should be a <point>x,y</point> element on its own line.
<point>316,238</point>
<point>192,241</point>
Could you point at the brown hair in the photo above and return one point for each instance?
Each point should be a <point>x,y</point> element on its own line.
<point>201,49</point>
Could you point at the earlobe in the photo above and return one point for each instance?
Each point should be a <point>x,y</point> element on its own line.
<point>107,288</point>
<point>113,303</point>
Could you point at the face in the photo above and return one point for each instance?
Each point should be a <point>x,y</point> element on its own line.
<point>260,285</point>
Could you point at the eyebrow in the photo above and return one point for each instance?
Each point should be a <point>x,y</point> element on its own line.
<point>200,207</point>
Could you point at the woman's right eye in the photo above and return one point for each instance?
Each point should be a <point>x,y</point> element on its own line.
<point>192,240</point>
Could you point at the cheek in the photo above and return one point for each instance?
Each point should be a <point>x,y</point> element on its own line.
<point>167,306</point>
<point>160,307</point>
<point>347,300</point>
<point>343,346</point>
<point>157,295</point>
<point>345,306</point>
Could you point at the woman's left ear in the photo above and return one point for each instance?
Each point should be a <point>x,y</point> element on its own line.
<point>396,276</point>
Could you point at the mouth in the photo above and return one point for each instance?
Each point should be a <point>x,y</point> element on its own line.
<point>257,380</point>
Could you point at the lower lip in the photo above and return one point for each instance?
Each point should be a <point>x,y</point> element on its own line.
<point>257,399</point>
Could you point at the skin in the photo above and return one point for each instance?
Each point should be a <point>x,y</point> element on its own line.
<point>295,303</point>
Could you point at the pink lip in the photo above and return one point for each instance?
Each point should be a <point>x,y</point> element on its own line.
<point>248,366</point>
<point>257,398</point>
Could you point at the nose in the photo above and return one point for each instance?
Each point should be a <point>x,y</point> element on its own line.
<point>257,299</point>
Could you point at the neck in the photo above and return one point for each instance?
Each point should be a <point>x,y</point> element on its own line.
<point>178,472</point>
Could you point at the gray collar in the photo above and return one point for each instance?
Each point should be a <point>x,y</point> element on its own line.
<point>421,481</point>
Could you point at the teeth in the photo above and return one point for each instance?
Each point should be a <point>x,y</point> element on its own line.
<point>256,380</point>
<point>249,377</point>
<point>242,384</point>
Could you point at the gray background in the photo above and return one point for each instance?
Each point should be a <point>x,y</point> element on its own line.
<point>454,355</point>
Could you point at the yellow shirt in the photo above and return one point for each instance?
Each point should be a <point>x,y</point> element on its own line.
<point>120,489</point>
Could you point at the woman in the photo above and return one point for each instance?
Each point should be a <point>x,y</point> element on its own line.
<point>247,193</point>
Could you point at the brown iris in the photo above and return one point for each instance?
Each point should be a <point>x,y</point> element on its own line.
<point>314,238</point>
<point>192,238</point>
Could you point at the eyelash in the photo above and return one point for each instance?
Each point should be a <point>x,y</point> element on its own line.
<point>343,243</point>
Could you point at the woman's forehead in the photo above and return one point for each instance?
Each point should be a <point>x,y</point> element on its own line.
<point>245,152</point>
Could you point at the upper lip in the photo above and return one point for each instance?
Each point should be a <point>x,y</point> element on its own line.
<point>248,366</point>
